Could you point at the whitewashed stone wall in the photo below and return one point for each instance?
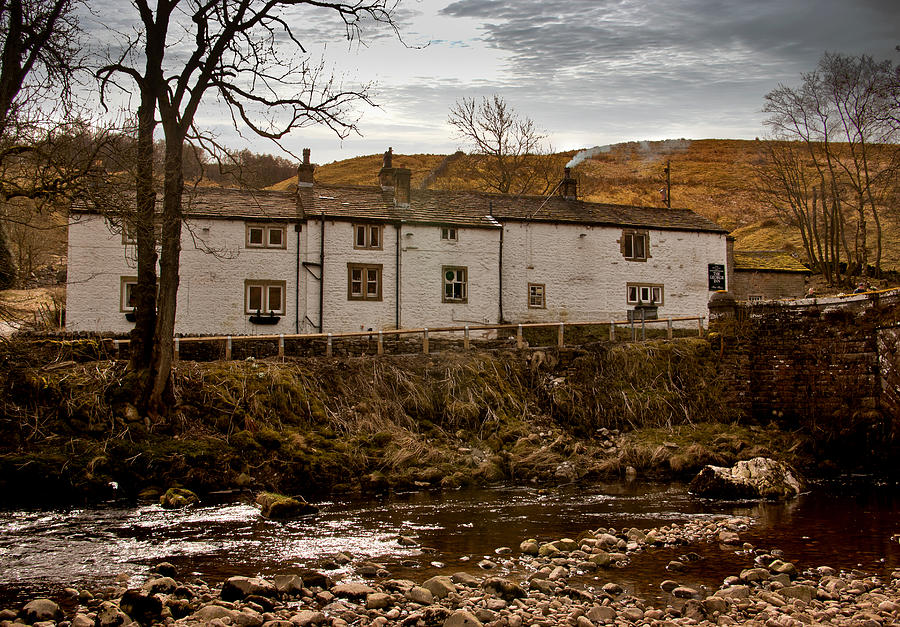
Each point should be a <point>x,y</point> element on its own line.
<point>342,314</point>
<point>581,267</point>
<point>211,290</point>
<point>585,274</point>
<point>424,255</point>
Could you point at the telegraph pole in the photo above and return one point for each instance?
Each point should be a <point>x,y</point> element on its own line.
<point>668,185</point>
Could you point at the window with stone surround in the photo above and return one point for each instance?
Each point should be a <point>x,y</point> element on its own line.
<point>635,244</point>
<point>456,283</point>
<point>537,296</point>
<point>264,297</point>
<point>367,236</point>
<point>266,236</point>
<point>364,281</point>
<point>128,294</point>
<point>644,294</point>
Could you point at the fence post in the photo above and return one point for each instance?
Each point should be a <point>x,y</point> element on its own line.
<point>612,330</point>
<point>118,347</point>
<point>519,338</point>
<point>425,341</point>
<point>380,343</point>
<point>177,354</point>
<point>466,338</point>
<point>328,344</point>
<point>228,348</point>
<point>669,327</point>
<point>281,345</point>
<point>643,327</point>
<point>559,336</point>
<point>633,329</point>
<point>700,326</point>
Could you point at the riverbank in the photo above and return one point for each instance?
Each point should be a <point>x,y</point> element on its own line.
<point>372,424</point>
<point>560,582</point>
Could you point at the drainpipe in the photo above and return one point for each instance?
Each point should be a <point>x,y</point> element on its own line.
<point>297,228</point>
<point>499,266</point>
<point>322,275</point>
<point>397,286</point>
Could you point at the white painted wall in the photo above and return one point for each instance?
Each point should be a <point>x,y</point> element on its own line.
<point>582,268</point>
<point>342,314</point>
<point>585,273</point>
<point>424,255</point>
<point>211,290</point>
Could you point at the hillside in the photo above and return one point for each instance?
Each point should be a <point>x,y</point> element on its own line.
<point>714,177</point>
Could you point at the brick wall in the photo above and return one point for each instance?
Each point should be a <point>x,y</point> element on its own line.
<point>810,363</point>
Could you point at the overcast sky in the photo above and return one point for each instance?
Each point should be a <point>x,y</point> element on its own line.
<point>588,72</point>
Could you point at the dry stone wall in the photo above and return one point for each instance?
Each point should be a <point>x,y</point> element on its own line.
<point>825,365</point>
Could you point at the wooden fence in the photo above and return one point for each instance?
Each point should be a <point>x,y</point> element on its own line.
<point>638,329</point>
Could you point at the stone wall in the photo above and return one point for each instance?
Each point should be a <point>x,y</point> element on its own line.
<point>817,364</point>
<point>768,285</point>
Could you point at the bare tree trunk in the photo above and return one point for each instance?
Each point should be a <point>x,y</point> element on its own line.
<point>144,229</point>
<point>163,348</point>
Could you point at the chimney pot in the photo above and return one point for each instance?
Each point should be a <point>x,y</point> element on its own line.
<point>386,174</point>
<point>306,171</point>
<point>568,187</point>
<point>402,177</point>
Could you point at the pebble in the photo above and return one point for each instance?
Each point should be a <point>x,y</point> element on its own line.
<point>533,590</point>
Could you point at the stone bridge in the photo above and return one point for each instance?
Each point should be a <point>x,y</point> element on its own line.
<point>828,365</point>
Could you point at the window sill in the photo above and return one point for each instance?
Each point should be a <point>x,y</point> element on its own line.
<point>264,319</point>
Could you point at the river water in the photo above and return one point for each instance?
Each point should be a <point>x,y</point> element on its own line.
<point>42,551</point>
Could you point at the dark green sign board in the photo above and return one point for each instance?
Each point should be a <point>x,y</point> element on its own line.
<point>716,277</point>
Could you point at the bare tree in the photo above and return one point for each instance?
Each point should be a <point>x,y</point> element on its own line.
<point>237,50</point>
<point>841,116</point>
<point>507,151</point>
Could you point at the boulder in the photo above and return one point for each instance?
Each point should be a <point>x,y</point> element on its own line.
<point>462,618</point>
<point>40,610</point>
<point>176,498</point>
<point>439,586</point>
<point>141,606</point>
<point>291,585</point>
<point>352,591</point>
<point>280,507</point>
<point>236,588</point>
<point>757,478</point>
<point>504,588</point>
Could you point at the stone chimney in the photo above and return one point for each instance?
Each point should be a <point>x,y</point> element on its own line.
<point>568,188</point>
<point>401,186</point>
<point>386,174</point>
<point>305,171</point>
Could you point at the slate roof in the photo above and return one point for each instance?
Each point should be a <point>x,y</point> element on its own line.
<point>767,260</point>
<point>483,209</point>
<point>463,208</point>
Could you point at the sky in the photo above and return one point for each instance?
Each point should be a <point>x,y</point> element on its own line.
<point>587,72</point>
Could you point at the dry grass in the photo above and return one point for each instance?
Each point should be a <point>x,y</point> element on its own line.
<point>714,177</point>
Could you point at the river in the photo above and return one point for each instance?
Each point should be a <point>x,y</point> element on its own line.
<point>847,525</point>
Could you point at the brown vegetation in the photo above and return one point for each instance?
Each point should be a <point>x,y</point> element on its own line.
<point>717,178</point>
<point>69,428</point>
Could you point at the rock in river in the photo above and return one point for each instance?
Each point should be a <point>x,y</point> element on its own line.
<point>757,478</point>
<point>280,507</point>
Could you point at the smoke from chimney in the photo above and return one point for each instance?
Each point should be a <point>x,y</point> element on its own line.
<point>587,154</point>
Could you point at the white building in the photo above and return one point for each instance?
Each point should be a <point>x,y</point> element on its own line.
<point>350,258</point>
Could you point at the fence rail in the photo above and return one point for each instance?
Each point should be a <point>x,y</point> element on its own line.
<point>637,327</point>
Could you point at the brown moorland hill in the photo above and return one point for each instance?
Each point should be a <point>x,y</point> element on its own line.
<point>717,178</point>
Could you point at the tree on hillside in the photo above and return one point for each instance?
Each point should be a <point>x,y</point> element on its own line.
<point>245,53</point>
<point>507,151</point>
<point>843,167</point>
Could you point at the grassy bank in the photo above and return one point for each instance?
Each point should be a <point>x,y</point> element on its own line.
<point>313,426</point>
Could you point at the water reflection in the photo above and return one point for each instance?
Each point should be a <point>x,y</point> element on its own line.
<point>43,551</point>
